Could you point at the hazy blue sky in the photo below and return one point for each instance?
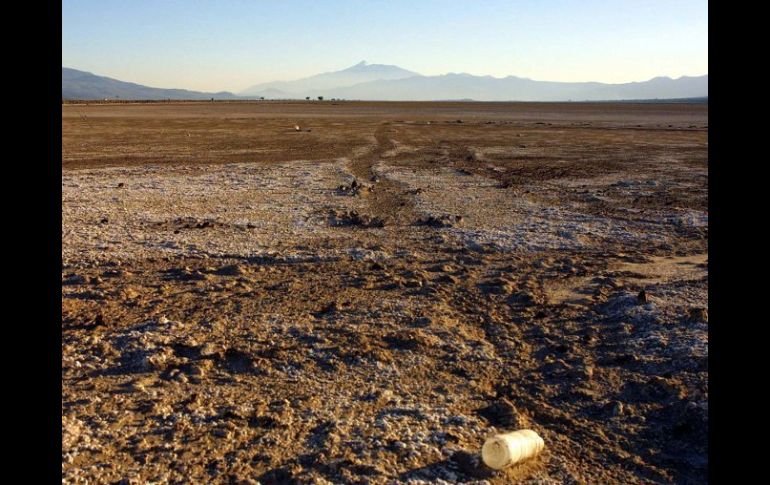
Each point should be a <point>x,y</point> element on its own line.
<point>232,44</point>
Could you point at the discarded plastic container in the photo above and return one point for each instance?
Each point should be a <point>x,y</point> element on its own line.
<point>504,450</point>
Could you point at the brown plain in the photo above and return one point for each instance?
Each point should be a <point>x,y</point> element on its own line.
<point>366,300</point>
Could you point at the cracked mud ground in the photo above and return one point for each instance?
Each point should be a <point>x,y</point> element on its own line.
<point>370,298</point>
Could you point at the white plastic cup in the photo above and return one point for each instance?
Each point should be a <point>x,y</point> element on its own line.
<point>504,450</point>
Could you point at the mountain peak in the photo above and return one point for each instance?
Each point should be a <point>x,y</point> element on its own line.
<point>362,72</point>
<point>362,66</point>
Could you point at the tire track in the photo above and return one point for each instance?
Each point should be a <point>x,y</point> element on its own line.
<point>388,198</point>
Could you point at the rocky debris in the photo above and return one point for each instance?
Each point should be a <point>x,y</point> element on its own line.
<point>439,221</point>
<point>354,188</point>
<point>353,218</point>
<point>146,359</point>
<point>181,223</point>
<point>642,298</point>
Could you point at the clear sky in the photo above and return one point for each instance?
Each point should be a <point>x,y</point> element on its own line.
<point>230,45</point>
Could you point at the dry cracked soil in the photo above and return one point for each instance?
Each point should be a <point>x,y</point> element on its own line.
<point>368,298</point>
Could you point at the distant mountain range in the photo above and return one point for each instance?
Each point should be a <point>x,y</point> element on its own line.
<point>392,83</point>
<point>84,85</point>
<point>328,81</point>
<point>511,88</point>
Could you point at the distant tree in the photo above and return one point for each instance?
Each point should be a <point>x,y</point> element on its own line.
<point>307,98</point>
<point>320,98</point>
<point>262,97</point>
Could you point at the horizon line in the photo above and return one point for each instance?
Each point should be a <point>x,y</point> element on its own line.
<point>393,65</point>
